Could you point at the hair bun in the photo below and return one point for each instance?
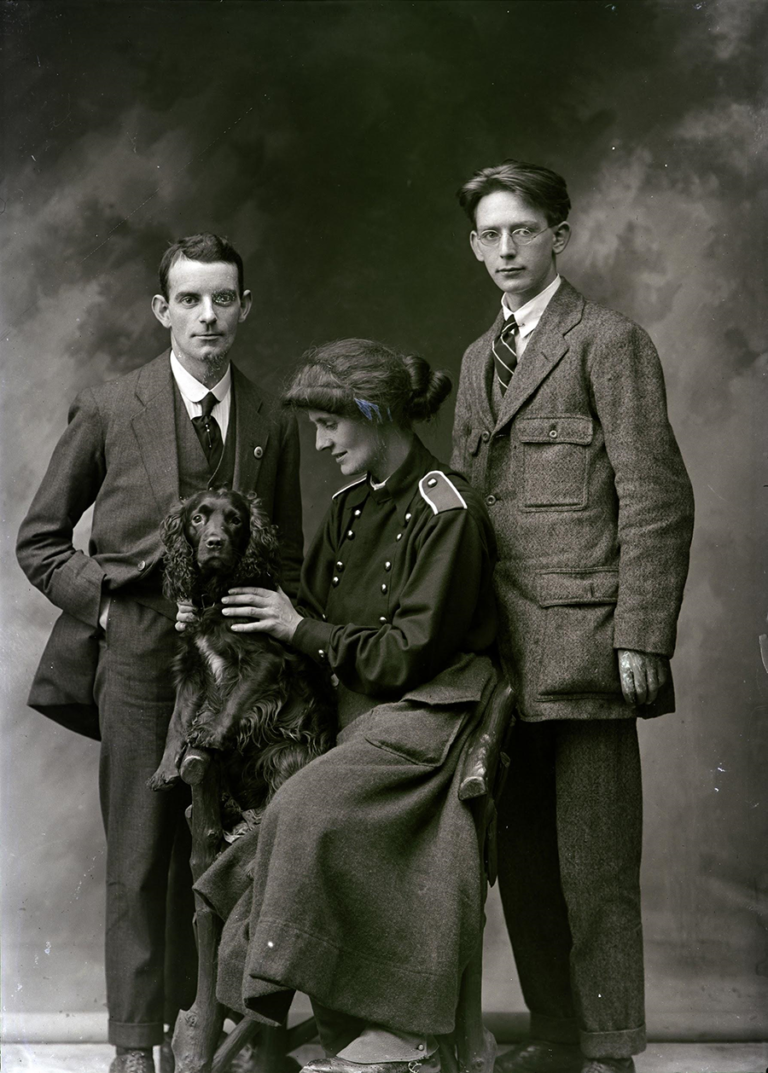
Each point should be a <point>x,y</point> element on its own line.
<point>429,387</point>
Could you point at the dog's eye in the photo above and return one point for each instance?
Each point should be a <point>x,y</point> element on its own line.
<point>197,519</point>
<point>236,520</point>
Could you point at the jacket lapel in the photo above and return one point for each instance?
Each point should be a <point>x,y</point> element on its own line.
<point>482,371</point>
<point>155,430</point>
<point>251,433</point>
<point>545,349</point>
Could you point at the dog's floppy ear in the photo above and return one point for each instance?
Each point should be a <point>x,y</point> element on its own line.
<point>178,568</point>
<point>262,556</point>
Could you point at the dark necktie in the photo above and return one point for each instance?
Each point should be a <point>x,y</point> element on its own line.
<point>505,353</point>
<point>208,432</point>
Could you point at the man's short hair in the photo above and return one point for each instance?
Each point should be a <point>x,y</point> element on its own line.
<point>205,247</point>
<point>540,187</point>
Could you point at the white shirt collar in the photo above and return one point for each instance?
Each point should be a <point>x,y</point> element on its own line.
<point>192,389</point>
<point>529,315</point>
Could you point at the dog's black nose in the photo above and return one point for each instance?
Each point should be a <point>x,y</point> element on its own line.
<point>213,541</point>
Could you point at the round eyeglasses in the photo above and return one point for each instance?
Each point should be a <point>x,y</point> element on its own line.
<point>521,236</point>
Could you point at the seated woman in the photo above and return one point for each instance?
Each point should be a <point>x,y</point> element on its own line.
<point>363,886</point>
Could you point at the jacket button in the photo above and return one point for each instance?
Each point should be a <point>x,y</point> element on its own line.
<point>553,433</point>
<point>321,653</point>
<point>357,512</point>
<point>431,482</point>
<point>334,581</point>
<point>382,618</point>
<point>399,536</point>
<point>339,565</point>
<point>350,534</point>
<point>142,565</point>
<point>485,436</point>
<point>387,565</point>
<point>384,587</point>
<point>408,515</point>
<point>258,452</point>
<point>490,500</point>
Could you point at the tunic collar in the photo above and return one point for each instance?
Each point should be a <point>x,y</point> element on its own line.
<point>403,483</point>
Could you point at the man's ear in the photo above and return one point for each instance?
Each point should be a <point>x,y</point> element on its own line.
<point>562,236</point>
<point>245,306</point>
<point>160,309</point>
<point>477,249</point>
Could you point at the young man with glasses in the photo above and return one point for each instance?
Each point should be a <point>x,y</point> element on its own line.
<point>561,422</point>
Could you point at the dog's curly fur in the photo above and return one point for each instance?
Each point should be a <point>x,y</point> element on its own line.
<point>268,708</point>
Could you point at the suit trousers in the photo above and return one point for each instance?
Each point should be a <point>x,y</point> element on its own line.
<point>570,841</point>
<point>150,946</point>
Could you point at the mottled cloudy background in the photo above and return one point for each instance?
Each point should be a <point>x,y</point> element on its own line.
<point>327,140</point>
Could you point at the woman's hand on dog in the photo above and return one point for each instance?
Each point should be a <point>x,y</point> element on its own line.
<point>265,611</point>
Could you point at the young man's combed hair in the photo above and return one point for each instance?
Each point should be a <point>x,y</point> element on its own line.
<point>541,187</point>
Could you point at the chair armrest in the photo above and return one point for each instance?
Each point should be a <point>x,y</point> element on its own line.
<point>481,759</point>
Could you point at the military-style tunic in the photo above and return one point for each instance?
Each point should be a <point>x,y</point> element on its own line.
<point>366,890</point>
<point>397,581</point>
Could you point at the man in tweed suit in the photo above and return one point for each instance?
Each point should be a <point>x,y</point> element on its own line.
<point>133,447</point>
<point>561,422</point>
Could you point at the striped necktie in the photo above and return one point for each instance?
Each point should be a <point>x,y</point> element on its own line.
<point>505,353</point>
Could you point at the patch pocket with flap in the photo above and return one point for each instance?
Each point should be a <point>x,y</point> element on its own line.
<point>577,653</point>
<point>555,461</point>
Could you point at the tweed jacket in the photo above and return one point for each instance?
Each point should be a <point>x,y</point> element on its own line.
<point>119,454</point>
<point>590,501</point>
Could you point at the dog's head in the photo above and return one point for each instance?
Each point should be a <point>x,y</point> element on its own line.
<point>215,540</point>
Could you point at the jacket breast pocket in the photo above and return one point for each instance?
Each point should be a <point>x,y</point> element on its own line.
<point>554,461</point>
<point>418,735</point>
<point>577,653</point>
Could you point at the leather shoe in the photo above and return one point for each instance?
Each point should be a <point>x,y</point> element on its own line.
<point>540,1056</point>
<point>608,1065</point>
<point>133,1062</point>
<point>430,1064</point>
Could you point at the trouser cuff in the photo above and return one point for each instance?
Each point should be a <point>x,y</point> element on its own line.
<point>140,1036</point>
<point>621,1044</point>
<point>554,1029</point>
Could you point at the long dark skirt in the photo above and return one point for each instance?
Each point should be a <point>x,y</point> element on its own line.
<point>366,890</point>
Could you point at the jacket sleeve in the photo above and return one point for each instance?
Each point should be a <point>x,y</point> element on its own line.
<point>462,421</point>
<point>655,521</point>
<point>287,504</point>
<point>70,579</point>
<point>433,615</point>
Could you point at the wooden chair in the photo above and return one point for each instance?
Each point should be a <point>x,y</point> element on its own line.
<point>196,1040</point>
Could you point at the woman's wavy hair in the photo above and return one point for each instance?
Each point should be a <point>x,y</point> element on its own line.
<point>259,563</point>
<point>364,379</point>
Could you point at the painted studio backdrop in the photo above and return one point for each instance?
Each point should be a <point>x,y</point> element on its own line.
<point>327,141</point>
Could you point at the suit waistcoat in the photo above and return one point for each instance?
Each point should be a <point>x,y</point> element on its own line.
<point>194,471</point>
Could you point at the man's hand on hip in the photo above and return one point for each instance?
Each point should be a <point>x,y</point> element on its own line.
<point>642,675</point>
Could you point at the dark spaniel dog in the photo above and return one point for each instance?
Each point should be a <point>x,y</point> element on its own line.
<point>268,708</point>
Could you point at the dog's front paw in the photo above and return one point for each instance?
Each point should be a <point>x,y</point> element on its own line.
<point>164,778</point>
<point>206,736</point>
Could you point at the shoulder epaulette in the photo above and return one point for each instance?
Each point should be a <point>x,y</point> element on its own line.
<point>347,487</point>
<point>441,493</point>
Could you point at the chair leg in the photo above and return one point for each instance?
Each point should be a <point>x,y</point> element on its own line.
<point>475,1046</point>
<point>198,1029</point>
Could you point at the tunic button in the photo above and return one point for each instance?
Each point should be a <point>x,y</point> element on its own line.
<point>350,534</point>
<point>408,515</point>
<point>399,536</point>
<point>321,653</point>
<point>357,512</point>
<point>334,581</point>
<point>384,587</point>
<point>339,565</point>
<point>271,945</point>
<point>432,482</point>
<point>485,436</point>
<point>419,1046</point>
<point>553,433</point>
<point>387,565</point>
<point>382,618</point>
<point>324,618</point>
<point>142,565</point>
<point>490,500</point>
<point>258,452</point>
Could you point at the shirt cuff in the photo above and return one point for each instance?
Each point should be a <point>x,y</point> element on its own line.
<point>313,638</point>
